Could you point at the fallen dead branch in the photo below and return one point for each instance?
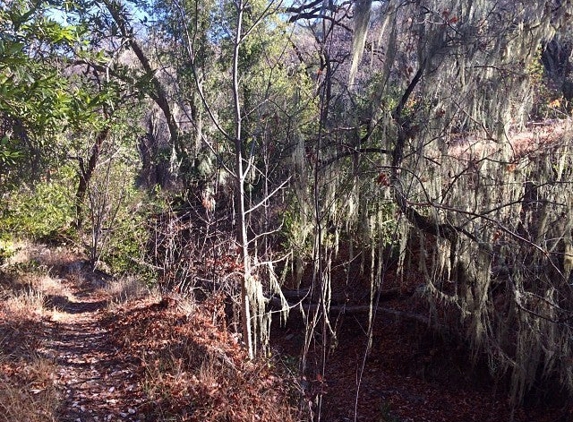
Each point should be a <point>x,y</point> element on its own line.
<point>353,310</point>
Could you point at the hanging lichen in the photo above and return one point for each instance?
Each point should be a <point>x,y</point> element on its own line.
<point>499,213</point>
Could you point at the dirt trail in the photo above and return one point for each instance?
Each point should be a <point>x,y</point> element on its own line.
<point>93,377</point>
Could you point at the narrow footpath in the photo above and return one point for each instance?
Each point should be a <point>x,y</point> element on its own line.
<point>93,377</point>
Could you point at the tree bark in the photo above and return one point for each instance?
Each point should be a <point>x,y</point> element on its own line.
<point>86,173</point>
<point>158,95</point>
<point>247,319</point>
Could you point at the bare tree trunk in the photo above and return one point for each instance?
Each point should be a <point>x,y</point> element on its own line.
<point>240,174</point>
<point>86,173</point>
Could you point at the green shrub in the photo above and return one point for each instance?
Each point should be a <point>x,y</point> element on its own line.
<point>116,231</point>
<point>44,211</point>
<point>125,252</point>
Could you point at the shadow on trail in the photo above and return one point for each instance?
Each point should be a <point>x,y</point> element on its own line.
<point>97,381</point>
<point>62,303</point>
<point>72,345</point>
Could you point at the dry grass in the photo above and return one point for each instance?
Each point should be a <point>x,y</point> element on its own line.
<point>21,311</point>
<point>28,391</point>
<point>25,295</point>
<point>42,255</point>
<point>27,388</point>
<point>535,138</point>
<point>187,306</point>
<point>21,304</point>
<point>124,290</point>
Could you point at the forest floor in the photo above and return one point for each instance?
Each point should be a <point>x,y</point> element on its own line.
<point>411,373</point>
<point>78,346</point>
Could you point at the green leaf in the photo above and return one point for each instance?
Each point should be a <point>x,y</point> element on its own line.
<point>15,48</point>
